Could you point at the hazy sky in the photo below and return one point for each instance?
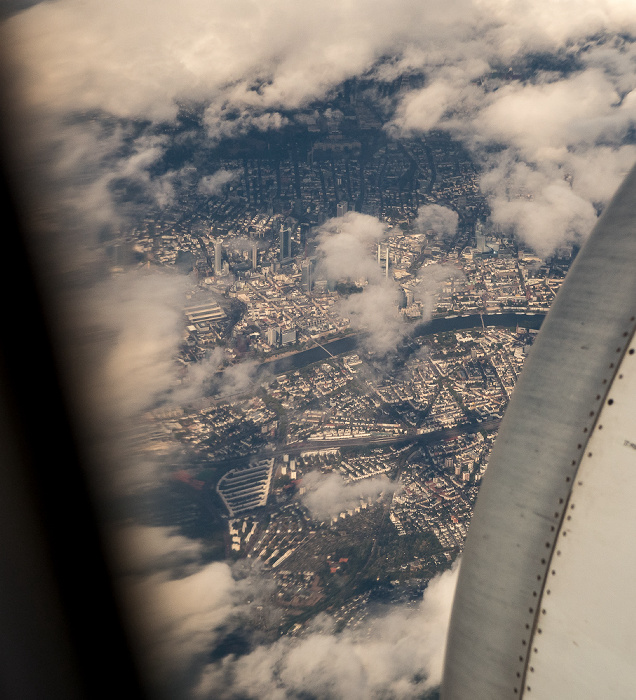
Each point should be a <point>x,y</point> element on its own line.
<point>553,146</point>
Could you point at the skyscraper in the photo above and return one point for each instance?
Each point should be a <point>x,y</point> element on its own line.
<point>218,256</point>
<point>306,279</point>
<point>342,208</point>
<point>285,243</point>
<point>480,237</point>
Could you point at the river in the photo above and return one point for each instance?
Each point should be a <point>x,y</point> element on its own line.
<point>340,346</point>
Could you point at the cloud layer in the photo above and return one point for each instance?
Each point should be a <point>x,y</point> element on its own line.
<point>251,63</point>
<point>394,656</point>
<point>181,606</point>
<point>239,56</point>
<point>182,617</point>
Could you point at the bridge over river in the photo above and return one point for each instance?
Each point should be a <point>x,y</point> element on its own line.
<point>301,359</point>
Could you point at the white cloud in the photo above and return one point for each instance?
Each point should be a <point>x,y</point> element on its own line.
<point>375,311</point>
<point>441,220</point>
<point>126,333</point>
<point>213,184</point>
<point>249,63</point>
<point>179,606</point>
<point>240,378</point>
<point>347,247</point>
<point>429,282</point>
<point>199,378</point>
<point>225,121</point>
<point>180,616</point>
<point>142,312</point>
<point>85,165</point>
<point>139,62</point>
<point>540,205</point>
<point>596,173</point>
<point>395,656</point>
<point>211,375</point>
<point>543,120</point>
<point>546,130</point>
<point>434,105</point>
<point>142,549</point>
<point>328,495</point>
<point>551,124</point>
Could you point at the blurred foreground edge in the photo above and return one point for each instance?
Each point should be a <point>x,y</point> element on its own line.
<point>61,631</point>
<point>544,606</point>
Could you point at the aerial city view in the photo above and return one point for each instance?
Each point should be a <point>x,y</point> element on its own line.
<point>361,325</point>
<point>308,269</point>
